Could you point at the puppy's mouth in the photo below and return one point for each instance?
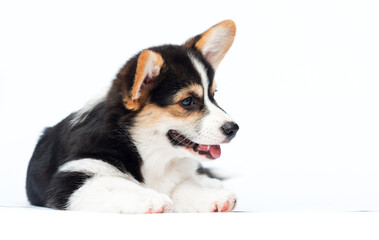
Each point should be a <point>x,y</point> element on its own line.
<point>208,151</point>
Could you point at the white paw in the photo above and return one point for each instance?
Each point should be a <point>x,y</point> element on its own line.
<point>224,205</point>
<point>148,202</point>
<point>207,200</point>
<point>218,201</point>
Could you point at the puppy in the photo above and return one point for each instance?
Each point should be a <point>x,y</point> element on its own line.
<point>137,148</point>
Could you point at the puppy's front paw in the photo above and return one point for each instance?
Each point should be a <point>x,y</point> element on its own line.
<point>157,203</point>
<point>146,202</point>
<point>206,200</point>
<point>225,202</point>
<point>224,206</point>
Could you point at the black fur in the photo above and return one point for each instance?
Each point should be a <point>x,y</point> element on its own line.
<point>99,136</point>
<point>68,182</point>
<point>178,73</point>
<point>208,172</point>
<point>103,132</point>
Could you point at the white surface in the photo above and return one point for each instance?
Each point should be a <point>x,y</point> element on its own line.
<point>51,224</point>
<point>301,79</point>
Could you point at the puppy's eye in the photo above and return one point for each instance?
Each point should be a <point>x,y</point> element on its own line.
<point>187,102</point>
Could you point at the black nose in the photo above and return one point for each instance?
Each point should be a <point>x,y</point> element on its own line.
<point>230,129</point>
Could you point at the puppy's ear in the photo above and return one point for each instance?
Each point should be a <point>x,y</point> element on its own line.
<point>215,42</point>
<point>149,65</point>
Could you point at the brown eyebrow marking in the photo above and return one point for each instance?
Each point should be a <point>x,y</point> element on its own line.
<point>213,87</point>
<point>194,89</point>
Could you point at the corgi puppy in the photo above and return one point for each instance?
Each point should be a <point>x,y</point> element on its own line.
<point>137,148</point>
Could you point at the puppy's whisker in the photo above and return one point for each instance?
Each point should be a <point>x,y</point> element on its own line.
<point>181,141</point>
<point>174,140</point>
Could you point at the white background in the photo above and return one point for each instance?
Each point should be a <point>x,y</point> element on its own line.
<point>302,81</point>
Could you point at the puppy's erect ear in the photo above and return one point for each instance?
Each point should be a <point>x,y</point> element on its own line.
<point>215,42</point>
<point>149,65</point>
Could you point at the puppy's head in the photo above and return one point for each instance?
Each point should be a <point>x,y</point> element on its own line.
<point>171,91</point>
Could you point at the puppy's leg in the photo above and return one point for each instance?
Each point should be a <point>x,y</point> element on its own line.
<point>208,182</point>
<point>117,194</point>
<point>192,196</point>
<point>105,189</point>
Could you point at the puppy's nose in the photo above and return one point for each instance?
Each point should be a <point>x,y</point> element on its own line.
<point>230,129</point>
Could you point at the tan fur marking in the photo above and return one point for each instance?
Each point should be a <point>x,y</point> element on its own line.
<point>152,114</point>
<point>148,65</point>
<point>195,89</point>
<point>132,105</point>
<point>214,87</point>
<point>179,112</point>
<point>149,115</point>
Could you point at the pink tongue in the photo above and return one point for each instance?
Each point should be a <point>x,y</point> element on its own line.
<point>214,150</point>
